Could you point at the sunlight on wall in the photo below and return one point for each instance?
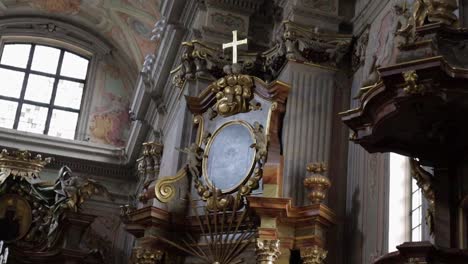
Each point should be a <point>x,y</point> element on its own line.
<point>398,201</point>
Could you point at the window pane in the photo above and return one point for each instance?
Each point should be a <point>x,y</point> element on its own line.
<point>45,59</point>
<point>414,185</point>
<point>63,124</point>
<point>69,94</point>
<point>416,199</point>
<point>32,118</point>
<point>16,55</point>
<point>39,88</point>
<point>12,82</point>
<point>416,234</point>
<point>8,113</point>
<point>74,66</point>
<point>416,217</point>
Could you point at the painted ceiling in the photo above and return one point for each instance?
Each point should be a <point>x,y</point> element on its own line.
<point>125,23</point>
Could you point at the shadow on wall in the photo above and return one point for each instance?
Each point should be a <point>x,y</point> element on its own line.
<point>354,239</point>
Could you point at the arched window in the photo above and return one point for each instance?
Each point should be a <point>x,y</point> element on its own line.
<point>43,88</point>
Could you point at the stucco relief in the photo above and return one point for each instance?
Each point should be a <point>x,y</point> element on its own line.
<point>59,6</point>
<point>322,5</point>
<point>228,21</point>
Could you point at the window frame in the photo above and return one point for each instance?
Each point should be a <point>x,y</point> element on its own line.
<point>81,131</point>
<point>56,76</point>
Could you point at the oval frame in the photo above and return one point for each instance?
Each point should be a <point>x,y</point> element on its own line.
<point>246,177</point>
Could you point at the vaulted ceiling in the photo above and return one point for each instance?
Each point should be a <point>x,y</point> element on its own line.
<point>127,24</point>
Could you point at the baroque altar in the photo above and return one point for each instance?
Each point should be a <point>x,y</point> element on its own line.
<point>234,210</point>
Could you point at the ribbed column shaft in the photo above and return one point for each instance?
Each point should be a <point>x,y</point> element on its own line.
<point>307,124</point>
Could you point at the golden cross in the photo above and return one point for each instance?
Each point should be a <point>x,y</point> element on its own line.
<point>234,45</point>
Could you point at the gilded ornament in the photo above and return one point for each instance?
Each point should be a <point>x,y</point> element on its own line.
<point>165,189</point>
<point>148,256</point>
<point>267,251</point>
<point>234,94</point>
<point>21,163</point>
<point>261,143</point>
<point>435,11</point>
<point>412,85</point>
<point>317,183</point>
<point>313,255</point>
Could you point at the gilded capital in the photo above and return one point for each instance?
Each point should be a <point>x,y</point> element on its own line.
<point>316,182</point>
<point>268,251</point>
<point>148,256</point>
<point>313,255</point>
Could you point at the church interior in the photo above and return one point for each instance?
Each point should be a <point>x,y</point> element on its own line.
<point>233,131</point>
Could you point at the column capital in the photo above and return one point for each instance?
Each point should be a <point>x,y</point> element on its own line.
<point>148,256</point>
<point>313,255</point>
<point>267,251</point>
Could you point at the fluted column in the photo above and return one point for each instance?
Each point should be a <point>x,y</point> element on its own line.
<point>267,251</point>
<point>308,123</point>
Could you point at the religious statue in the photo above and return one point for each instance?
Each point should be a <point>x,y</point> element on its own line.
<point>405,25</point>
<point>194,158</point>
<point>261,144</point>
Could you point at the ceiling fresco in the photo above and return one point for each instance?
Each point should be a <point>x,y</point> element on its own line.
<point>125,23</point>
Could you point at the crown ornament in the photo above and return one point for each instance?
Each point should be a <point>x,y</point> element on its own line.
<point>22,164</point>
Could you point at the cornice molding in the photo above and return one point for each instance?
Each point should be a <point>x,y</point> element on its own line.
<point>55,146</point>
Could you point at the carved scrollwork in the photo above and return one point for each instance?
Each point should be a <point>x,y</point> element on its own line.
<point>165,189</point>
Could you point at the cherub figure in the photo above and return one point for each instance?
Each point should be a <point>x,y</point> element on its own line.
<point>194,158</point>
<point>261,143</point>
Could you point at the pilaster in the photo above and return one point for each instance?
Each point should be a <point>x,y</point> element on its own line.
<point>307,123</point>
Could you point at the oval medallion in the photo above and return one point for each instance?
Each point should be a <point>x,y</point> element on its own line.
<point>229,156</point>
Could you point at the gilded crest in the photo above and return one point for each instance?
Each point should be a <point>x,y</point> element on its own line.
<point>234,94</point>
